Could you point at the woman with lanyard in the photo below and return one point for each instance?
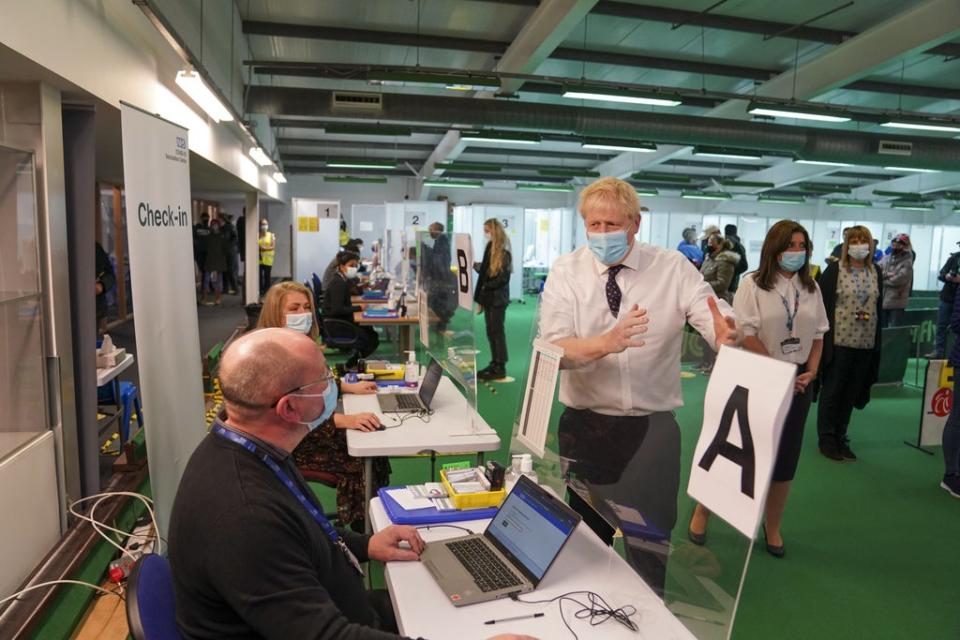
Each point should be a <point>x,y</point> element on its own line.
<point>781,314</point>
<point>288,304</point>
<point>852,291</point>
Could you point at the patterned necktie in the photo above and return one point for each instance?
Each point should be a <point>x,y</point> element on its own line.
<point>614,295</point>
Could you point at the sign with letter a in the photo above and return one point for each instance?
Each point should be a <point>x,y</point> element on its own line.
<point>745,406</point>
<point>464,262</point>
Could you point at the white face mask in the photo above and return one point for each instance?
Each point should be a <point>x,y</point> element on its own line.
<point>858,251</point>
<point>301,322</point>
<point>351,273</point>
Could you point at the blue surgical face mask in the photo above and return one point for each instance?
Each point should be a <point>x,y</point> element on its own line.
<point>792,261</point>
<point>301,322</point>
<point>329,404</point>
<point>609,248</point>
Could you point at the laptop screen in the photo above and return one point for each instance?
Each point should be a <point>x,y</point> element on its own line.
<point>531,527</point>
<point>430,381</point>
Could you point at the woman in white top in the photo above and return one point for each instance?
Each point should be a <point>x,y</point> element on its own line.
<point>781,314</point>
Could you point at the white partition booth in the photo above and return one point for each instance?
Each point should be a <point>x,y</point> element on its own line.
<point>470,219</point>
<point>367,222</point>
<point>316,236</point>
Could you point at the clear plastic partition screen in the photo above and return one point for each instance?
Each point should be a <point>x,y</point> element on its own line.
<point>451,333</point>
<point>23,413</point>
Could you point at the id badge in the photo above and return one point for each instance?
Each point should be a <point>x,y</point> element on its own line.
<point>790,345</point>
<point>350,557</point>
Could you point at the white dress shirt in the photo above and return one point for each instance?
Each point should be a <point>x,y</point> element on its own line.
<point>639,380</point>
<point>763,314</point>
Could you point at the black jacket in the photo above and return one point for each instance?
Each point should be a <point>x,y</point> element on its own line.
<point>493,291</point>
<point>250,562</point>
<point>336,299</point>
<point>742,266</point>
<point>828,289</point>
<point>949,290</point>
<point>105,277</point>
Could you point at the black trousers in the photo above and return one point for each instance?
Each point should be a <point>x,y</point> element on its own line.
<point>496,336</point>
<point>840,385</point>
<point>631,467</point>
<point>265,277</point>
<point>370,341</point>
<point>788,454</point>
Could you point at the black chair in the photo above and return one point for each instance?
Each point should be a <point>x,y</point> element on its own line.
<point>150,600</point>
<point>345,336</point>
<point>317,291</point>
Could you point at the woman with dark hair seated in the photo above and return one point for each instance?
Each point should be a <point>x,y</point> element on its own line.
<point>338,306</point>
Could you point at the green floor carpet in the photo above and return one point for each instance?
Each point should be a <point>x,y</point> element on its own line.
<point>872,547</point>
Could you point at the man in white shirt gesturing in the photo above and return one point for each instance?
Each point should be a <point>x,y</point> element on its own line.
<point>618,309</point>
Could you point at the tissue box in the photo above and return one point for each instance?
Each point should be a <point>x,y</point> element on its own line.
<point>111,358</point>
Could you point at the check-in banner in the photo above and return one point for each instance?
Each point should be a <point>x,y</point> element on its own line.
<point>156,169</point>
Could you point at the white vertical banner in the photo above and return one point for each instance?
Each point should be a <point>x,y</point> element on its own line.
<point>746,403</point>
<point>464,262</point>
<point>937,400</point>
<point>156,171</point>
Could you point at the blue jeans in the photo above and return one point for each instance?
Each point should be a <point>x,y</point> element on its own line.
<point>951,435</point>
<point>943,326</point>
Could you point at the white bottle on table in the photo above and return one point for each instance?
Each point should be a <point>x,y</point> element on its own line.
<point>526,467</point>
<point>411,372</point>
<point>512,474</point>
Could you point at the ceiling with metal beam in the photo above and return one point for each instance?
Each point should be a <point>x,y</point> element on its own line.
<point>646,59</point>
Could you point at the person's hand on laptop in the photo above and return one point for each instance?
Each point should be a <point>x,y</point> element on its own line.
<point>360,421</point>
<point>385,545</point>
<point>361,387</point>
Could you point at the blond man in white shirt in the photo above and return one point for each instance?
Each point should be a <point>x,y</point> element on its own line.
<point>618,309</point>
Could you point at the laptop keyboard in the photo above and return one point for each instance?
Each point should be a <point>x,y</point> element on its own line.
<point>489,572</point>
<point>407,401</point>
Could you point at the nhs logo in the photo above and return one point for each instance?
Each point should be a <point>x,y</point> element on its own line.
<point>181,142</point>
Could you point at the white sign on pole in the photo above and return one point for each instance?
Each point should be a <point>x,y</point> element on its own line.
<point>746,403</point>
<point>937,400</point>
<point>538,397</point>
<point>464,262</point>
<point>156,172</point>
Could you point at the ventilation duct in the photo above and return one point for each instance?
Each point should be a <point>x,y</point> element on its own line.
<point>827,145</point>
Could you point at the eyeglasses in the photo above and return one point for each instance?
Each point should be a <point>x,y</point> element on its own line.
<point>329,379</point>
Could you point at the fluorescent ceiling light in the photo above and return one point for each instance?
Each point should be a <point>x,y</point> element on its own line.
<point>748,184</point>
<point>457,184</point>
<point>260,157</point>
<point>639,147</point>
<point>647,192</point>
<point>500,137</point>
<point>360,164</point>
<point>359,129</point>
<point>483,167</point>
<point>849,203</point>
<point>625,96</point>
<point>568,173</point>
<point>732,154</point>
<point>705,195</point>
<point>798,113</point>
<point>194,86</point>
<point>911,205</point>
<point>823,163</point>
<point>782,199</point>
<point>279,177</point>
<point>660,177</point>
<point>922,126</point>
<point>473,87</point>
<point>825,188</point>
<point>912,169</point>
<point>369,180</point>
<point>526,186</point>
<point>902,195</point>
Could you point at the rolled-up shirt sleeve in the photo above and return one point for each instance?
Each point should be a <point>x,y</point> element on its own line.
<point>696,292</point>
<point>747,308</point>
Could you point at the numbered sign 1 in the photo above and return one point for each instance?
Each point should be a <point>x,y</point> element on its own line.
<point>744,409</point>
<point>464,257</point>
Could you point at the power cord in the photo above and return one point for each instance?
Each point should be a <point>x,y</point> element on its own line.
<point>109,592</point>
<point>445,526</point>
<point>596,610</point>
<point>102,528</point>
<point>400,418</point>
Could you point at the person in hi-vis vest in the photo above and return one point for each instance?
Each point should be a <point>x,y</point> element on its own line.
<point>268,245</point>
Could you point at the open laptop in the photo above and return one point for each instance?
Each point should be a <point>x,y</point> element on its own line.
<point>414,402</point>
<point>511,556</point>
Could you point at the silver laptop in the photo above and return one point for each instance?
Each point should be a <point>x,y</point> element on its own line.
<point>414,402</point>
<point>511,556</point>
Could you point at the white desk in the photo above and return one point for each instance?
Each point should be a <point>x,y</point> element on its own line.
<point>449,431</point>
<point>106,375</point>
<point>585,563</point>
<point>111,376</point>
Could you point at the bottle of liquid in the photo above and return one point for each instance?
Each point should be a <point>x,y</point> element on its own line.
<point>411,372</point>
<point>526,467</point>
<point>513,473</point>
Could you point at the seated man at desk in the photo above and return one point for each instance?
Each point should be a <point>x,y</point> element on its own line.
<point>338,306</point>
<point>251,552</point>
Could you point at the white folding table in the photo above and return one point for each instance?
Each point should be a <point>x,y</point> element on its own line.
<point>585,563</point>
<point>454,427</point>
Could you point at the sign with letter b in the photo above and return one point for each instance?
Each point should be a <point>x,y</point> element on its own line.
<point>464,260</point>
<point>745,406</point>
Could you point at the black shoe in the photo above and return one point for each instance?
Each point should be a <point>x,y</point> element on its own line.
<point>698,539</point>
<point>831,451</point>
<point>951,484</point>
<point>845,452</point>
<point>493,372</point>
<point>777,551</point>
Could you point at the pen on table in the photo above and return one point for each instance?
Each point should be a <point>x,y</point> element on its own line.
<point>532,615</point>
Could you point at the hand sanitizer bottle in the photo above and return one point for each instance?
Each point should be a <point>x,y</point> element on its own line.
<point>526,467</point>
<point>513,473</point>
<point>411,372</point>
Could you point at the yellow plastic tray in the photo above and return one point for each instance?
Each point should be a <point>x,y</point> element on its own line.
<point>478,500</point>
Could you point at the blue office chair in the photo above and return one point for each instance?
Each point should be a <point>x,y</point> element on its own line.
<point>345,336</point>
<point>129,400</point>
<point>150,601</point>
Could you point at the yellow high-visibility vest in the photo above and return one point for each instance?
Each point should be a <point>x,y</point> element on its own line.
<point>266,254</point>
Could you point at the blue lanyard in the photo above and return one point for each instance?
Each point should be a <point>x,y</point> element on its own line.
<point>786,307</point>
<point>264,457</point>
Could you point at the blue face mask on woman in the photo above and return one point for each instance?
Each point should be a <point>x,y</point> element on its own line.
<point>329,404</point>
<point>792,261</point>
<point>609,248</point>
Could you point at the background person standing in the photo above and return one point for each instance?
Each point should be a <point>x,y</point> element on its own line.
<point>897,269</point>
<point>267,243</point>
<point>948,276</point>
<point>492,293</point>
